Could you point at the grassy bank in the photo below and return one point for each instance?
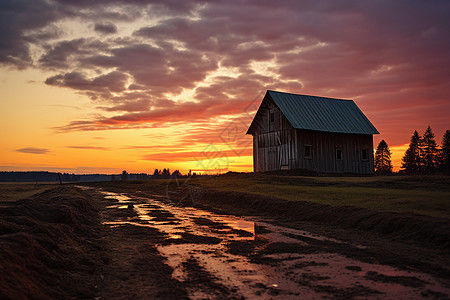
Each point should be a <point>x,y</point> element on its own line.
<point>401,208</point>
<point>425,195</point>
<point>15,191</point>
<point>50,245</point>
<point>422,195</point>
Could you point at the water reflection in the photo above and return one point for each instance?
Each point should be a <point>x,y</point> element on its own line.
<point>292,270</point>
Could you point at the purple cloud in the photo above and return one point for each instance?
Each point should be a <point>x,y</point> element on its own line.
<point>33,150</point>
<point>105,28</point>
<point>88,147</point>
<point>391,57</point>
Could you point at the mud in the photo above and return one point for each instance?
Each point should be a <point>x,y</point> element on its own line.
<point>214,255</point>
<point>398,226</point>
<point>95,243</point>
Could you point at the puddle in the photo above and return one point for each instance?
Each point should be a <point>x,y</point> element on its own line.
<point>175,236</point>
<point>288,263</point>
<point>119,197</point>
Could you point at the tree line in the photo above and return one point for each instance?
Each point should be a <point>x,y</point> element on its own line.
<point>157,174</point>
<point>423,155</point>
<point>165,173</point>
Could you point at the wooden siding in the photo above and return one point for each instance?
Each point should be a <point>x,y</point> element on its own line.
<point>324,147</point>
<point>278,146</point>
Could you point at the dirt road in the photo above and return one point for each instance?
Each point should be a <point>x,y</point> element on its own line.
<point>200,254</point>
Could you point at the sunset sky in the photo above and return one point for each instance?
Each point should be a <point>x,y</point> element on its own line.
<point>105,86</point>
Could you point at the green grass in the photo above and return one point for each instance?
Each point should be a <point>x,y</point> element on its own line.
<point>422,195</point>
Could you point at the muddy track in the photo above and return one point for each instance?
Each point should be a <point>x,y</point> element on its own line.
<point>424,230</point>
<point>403,226</point>
<point>212,255</point>
<point>71,243</point>
<point>134,268</point>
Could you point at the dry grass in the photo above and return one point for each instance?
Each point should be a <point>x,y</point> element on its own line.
<point>16,191</point>
<point>50,245</point>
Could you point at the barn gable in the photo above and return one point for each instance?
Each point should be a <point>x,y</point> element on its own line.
<point>319,114</point>
<point>322,134</point>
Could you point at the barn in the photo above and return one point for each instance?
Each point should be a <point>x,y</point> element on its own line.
<point>325,135</point>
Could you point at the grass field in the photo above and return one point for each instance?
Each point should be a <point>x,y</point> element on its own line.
<point>428,195</point>
<point>15,191</point>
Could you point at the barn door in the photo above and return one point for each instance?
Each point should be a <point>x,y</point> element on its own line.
<point>284,157</point>
<point>339,159</point>
<point>273,159</point>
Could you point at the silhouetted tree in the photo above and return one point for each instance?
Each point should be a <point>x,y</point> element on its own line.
<point>190,173</point>
<point>383,164</point>
<point>411,160</point>
<point>176,174</point>
<point>444,155</point>
<point>124,175</point>
<point>156,173</point>
<point>428,151</point>
<point>165,173</point>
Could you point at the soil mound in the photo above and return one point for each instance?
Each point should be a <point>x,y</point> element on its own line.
<point>46,246</point>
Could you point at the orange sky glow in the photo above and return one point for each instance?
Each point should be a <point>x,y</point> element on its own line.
<point>101,87</point>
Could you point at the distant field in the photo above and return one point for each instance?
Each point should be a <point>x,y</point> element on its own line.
<point>428,195</point>
<point>15,191</point>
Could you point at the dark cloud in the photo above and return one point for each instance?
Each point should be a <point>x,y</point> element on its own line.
<point>19,17</point>
<point>16,17</point>
<point>111,82</point>
<point>60,55</point>
<point>178,113</point>
<point>33,150</point>
<point>390,56</point>
<point>42,35</point>
<point>88,147</point>
<point>105,28</point>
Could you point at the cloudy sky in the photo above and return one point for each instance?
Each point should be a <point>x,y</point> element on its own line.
<point>103,86</point>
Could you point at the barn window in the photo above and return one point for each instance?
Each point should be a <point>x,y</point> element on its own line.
<point>308,151</point>
<point>365,154</point>
<point>272,117</point>
<point>339,154</point>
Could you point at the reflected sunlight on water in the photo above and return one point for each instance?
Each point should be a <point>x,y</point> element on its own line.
<point>295,269</point>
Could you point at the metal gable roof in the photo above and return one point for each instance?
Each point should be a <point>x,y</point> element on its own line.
<point>322,114</point>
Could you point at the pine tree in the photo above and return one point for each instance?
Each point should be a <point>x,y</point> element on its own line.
<point>411,160</point>
<point>383,164</point>
<point>428,151</point>
<point>444,161</point>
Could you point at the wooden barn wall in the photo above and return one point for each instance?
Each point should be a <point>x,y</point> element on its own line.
<point>277,146</point>
<point>272,148</point>
<point>324,147</point>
